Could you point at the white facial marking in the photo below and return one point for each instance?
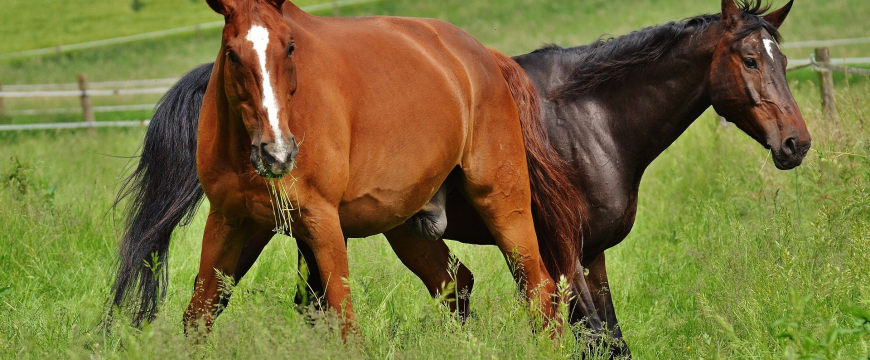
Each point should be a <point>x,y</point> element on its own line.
<point>769,44</point>
<point>259,37</point>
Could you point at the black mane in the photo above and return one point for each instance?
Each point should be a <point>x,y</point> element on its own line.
<point>609,59</point>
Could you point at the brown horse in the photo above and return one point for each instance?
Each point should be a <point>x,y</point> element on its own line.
<point>389,110</point>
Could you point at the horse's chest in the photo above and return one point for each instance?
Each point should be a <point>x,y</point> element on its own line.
<point>237,198</point>
<point>610,222</point>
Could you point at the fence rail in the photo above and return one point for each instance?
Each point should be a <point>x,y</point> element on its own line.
<point>94,85</point>
<point>831,65</point>
<point>76,93</point>
<point>97,109</point>
<point>825,43</point>
<point>74,125</point>
<point>844,61</point>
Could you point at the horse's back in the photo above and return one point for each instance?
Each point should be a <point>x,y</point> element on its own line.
<point>380,46</point>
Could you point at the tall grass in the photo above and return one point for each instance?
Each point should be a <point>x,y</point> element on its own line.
<point>730,258</point>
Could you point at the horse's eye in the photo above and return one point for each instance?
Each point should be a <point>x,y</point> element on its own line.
<point>291,48</point>
<point>750,63</point>
<point>234,58</point>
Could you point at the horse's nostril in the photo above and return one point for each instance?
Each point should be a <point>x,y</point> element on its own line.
<point>790,146</point>
<point>267,156</point>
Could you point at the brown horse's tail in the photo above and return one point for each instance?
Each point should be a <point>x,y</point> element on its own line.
<point>161,194</point>
<point>556,205</point>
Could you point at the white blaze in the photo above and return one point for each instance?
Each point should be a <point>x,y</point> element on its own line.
<point>259,37</point>
<point>769,44</point>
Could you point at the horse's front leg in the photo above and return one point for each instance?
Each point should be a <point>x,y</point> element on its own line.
<point>222,243</point>
<point>320,229</point>
<point>253,248</point>
<point>582,305</point>
<point>601,296</point>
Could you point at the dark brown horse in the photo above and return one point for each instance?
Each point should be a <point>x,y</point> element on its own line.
<point>611,108</point>
<point>389,109</point>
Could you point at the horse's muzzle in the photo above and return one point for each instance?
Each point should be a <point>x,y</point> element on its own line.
<point>272,160</point>
<point>791,153</point>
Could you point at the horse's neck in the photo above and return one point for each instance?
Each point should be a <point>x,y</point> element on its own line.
<point>612,134</point>
<point>230,141</point>
<point>647,111</point>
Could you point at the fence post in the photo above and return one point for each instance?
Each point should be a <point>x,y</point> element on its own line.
<point>335,9</point>
<point>826,82</point>
<point>87,108</point>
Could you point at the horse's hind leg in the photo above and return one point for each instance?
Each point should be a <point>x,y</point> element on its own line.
<point>434,264</point>
<point>515,236</point>
<point>496,181</point>
<point>253,248</point>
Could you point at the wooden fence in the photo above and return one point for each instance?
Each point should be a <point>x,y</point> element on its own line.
<point>821,62</point>
<point>84,90</point>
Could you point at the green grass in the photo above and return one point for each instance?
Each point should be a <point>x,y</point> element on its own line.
<point>727,254</point>
<point>34,24</point>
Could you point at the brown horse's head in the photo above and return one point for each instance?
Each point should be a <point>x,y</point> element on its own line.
<point>259,73</point>
<point>749,84</point>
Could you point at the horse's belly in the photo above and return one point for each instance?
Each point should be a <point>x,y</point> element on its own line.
<point>375,213</point>
<point>392,180</point>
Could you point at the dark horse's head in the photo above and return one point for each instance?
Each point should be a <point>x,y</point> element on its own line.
<point>259,73</point>
<point>749,84</point>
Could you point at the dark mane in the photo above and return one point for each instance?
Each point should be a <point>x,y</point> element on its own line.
<point>608,59</point>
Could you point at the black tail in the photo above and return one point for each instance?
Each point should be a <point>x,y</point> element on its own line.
<point>163,192</point>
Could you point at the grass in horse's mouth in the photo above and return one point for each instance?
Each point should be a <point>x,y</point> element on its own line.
<point>281,206</point>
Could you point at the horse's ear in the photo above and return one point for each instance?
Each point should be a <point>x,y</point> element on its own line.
<point>277,3</point>
<point>730,14</point>
<point>222,7</point>
<point>778,17</point>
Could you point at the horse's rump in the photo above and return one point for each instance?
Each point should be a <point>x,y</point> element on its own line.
<point>558,209</point>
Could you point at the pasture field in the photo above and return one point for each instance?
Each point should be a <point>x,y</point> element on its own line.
<point>497,24</point>
<point>729,258</point>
